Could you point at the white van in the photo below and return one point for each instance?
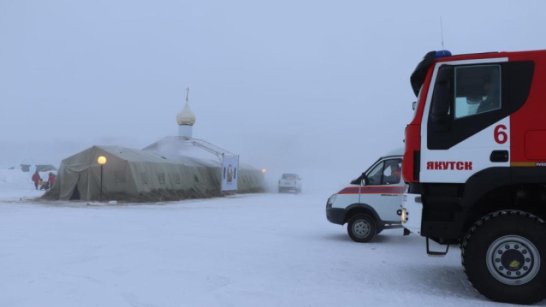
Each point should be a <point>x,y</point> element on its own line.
<point>290,183</point>
<point>372,201</point>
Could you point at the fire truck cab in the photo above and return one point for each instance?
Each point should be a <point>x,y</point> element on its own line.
<point>475,164</point>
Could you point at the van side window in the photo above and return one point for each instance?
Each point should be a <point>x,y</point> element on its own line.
<point>386,172</point>
<point>392,171</point>
<point>375,176</point>
<point>477,89</point>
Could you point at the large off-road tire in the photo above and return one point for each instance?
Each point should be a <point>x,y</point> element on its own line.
<point>361,228</point>
<point>504,257</point>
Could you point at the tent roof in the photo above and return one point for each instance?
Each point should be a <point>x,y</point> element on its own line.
<point>135,155</point>
<point>178,147</point>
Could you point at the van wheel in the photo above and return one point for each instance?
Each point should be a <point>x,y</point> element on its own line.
<point>361,228</point>
<point>504,257</point>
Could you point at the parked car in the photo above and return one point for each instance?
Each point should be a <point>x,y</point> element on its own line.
<point>371,203</point>
<point>290,183</point>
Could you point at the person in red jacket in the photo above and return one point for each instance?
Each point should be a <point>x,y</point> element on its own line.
<point>51,179</point>
<point>36,179</point>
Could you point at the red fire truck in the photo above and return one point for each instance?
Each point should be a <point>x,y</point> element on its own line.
<point>475,164</point>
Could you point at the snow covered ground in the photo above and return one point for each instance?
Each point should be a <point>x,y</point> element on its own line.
<point>245,250</point>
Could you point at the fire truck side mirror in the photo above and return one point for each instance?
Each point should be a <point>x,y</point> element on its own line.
<point>364,181</point>
<point>414,105</point>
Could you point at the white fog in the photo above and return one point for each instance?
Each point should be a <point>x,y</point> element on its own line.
<point>317,88</point>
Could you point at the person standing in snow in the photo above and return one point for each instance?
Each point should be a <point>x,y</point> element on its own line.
<point>51,179</point>
<point>36,179</point>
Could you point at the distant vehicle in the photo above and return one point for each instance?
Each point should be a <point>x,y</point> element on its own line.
<point>372,202</point>
<point>290,183</point>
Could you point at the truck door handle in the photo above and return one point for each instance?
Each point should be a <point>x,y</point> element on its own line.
<point>499,156</point>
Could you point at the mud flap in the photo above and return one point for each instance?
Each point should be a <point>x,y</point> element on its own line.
<point>436,253</point>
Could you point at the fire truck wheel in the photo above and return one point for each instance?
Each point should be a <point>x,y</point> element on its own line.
<point>361,228</point>
<point>504,257</point>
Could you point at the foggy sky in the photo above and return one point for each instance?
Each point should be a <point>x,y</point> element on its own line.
<point>288,84</point>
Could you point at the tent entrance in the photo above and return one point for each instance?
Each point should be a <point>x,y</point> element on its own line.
<point>75,193</point>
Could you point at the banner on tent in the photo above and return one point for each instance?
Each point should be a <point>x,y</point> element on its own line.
<point>230,173</point>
